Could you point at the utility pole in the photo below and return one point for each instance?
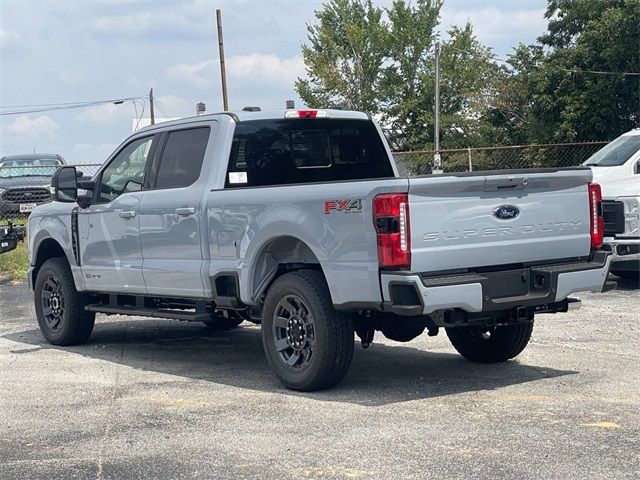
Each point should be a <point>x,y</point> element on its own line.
<point>223,74</point>
<point>437,161</point>
<point>152,112</point>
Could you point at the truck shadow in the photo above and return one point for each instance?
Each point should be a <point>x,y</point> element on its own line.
<point>379,376</point>
<point>626,283</point>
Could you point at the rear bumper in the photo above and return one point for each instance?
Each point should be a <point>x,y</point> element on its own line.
<point>623,250</point>
<point>414,294</point>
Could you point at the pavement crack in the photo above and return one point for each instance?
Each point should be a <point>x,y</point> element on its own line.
<point>109,416</point>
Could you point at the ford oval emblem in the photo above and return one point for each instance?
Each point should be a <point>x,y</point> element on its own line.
<point>506,212</point>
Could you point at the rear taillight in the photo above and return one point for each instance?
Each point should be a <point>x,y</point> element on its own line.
<point>391,219</point>
<point>595,215</point>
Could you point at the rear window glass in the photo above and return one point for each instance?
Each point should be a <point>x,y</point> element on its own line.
<point>281,152</point>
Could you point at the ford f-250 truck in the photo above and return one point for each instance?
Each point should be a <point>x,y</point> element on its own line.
<point>299,221</point>
<point>616,168</point>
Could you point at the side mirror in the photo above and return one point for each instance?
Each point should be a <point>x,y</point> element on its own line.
<point>64,183</point>
<point>638,167</point>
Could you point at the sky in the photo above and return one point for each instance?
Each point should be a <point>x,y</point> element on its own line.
<point>77,51</point>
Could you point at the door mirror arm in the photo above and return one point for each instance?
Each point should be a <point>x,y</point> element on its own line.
<point>85,201</point>
<point>86,184</point>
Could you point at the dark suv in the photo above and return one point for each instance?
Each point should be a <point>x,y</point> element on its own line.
<point>25,181</point>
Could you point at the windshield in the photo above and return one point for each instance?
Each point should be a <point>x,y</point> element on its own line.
<point>28,167</point>
<point>615,153</point>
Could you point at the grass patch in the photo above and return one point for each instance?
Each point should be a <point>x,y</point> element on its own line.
<point>14,264</point>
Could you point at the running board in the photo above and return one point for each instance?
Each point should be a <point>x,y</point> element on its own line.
<point>149,312</point>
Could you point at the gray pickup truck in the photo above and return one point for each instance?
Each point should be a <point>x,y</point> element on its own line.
<point>298,221</point>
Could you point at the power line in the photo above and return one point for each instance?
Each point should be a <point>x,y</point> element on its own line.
<point>157,105</point>
<point>141,113</point>
<point>570,70</point>
<point>64,106</point>
<point>597,72</point>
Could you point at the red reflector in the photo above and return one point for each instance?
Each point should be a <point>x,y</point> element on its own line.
<point>595,215</point>
<point>307,113</point>
<point>391,220</point>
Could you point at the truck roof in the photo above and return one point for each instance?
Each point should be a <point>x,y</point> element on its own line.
<point>246,115</point>
<point>28,156</point>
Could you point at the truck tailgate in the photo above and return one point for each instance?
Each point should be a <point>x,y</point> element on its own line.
<point>498,218</point>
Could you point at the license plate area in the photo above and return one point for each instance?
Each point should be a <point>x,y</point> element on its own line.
<point>512,283</point>
<point>27,207</point>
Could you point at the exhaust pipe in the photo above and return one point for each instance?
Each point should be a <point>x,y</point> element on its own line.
<point>573,304</point>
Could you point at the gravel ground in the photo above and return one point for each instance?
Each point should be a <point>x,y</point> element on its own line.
<point>166,399</point>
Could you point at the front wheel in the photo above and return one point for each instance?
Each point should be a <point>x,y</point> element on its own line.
<point>306,341</point>
<point>489,345</point>
<point>59,306</point>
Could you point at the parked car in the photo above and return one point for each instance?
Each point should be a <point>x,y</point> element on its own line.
<point>299,221</point>
<point>616,167</point>
<point>10,235</point>
<point>25,182</point>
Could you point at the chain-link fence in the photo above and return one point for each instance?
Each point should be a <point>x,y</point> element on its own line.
<point>23,187</point>
<point>497,158</point>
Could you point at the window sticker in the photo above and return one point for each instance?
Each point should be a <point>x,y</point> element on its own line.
<point>237,177</point>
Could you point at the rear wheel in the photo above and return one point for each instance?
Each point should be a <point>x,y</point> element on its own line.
<point>59,306</point>
<point>306,341</point>
<point>488,345</point>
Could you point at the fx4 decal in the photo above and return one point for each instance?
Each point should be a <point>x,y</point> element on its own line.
<point>347,206</point>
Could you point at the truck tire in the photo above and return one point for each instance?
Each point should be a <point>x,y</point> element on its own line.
<point>489,345</point>
<point>306,341</point>
<point>59,306</point>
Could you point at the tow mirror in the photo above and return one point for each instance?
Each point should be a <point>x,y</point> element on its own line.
<point>64,183</point>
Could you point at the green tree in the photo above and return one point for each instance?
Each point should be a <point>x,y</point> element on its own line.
<point>344,57</point>
<point>382,61</point>
<point>407,87</point>
<point>470,80</point>
<point>567,97</point>
<point>510,121</point>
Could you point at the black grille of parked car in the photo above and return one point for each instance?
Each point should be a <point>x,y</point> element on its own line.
<point>613,216</point>
<point>26,195</point>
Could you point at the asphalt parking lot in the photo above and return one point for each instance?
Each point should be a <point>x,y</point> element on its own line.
<point>167,399</point>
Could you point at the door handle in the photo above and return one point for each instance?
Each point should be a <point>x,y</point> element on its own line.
<point>127,214</point>
<point>185,211</point>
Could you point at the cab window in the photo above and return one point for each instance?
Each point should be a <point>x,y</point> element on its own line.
<point>125,173</point>
<point>182,157</point>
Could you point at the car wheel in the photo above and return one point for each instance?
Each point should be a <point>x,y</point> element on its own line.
<point>59,306</point>
<point>307,342</point>
<point>488,345</point>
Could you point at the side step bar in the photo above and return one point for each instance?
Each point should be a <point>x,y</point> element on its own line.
<point>149,312</point>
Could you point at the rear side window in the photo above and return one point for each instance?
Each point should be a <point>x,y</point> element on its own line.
<point>182,158</point>
<point>281,152</point>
